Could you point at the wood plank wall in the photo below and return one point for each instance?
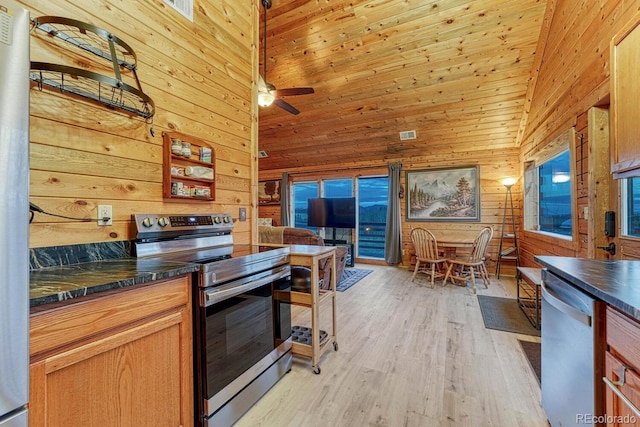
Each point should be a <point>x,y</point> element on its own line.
<point>199,74</point>
<point>494,167</point>
<point>573,77</point>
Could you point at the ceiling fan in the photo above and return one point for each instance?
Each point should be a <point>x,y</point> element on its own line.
<point>267,92</point>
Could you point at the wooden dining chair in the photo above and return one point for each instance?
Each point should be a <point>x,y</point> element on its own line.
<point>428,259</point>
<point>465,269</point>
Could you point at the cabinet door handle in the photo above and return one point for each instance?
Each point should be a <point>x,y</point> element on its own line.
<point>613,387</point>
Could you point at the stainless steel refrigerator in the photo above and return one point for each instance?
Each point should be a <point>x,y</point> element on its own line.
<point>14,214</point>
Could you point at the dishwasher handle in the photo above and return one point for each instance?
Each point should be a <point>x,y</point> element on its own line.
<point>564,307</point>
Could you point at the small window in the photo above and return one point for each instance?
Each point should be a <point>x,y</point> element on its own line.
<point>548,189</point>
<point>631,206</point>
<point>554,195</point>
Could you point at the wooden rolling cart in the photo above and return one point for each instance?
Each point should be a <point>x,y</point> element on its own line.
<point>308,256</point>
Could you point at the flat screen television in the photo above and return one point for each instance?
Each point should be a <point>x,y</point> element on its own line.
<point>336,212</point>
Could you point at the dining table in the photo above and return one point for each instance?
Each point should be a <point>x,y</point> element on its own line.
<point>451,242</point>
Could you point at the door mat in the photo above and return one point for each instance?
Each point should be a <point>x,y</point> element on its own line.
<point>302,335</point>
<point>532,351</point>
<point>504,314</point>
<point>351,276</point>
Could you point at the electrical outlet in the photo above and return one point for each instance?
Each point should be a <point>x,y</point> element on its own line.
<point>105,215</point>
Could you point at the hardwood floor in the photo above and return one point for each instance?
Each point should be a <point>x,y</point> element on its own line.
<point>408,356</point>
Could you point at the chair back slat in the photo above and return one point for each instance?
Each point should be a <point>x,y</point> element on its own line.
<point>425,243</point>
<point>480,245</point>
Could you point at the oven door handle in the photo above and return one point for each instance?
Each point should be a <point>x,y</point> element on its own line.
<point>220,294</point>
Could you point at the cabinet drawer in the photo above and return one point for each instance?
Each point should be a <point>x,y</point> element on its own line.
<point>87,319</point>
<point>623,336</point>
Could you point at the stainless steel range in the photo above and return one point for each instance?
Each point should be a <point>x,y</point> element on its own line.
<point>242,317</point>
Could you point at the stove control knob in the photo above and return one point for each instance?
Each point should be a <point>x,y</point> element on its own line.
<point>163,222</point>
<point>226,220</point>
<point>217,219</point>
<point>147,222</point>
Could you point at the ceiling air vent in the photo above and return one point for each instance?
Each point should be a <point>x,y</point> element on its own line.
<point>408,134</point>
<point>262,154</point>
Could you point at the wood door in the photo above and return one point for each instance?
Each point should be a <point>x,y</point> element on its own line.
<point>625,89</point>
<point>129,378</point>
<point>118,360</point>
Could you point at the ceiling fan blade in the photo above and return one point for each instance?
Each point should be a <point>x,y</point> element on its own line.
<point>293,91</point>
<point>286,106</point>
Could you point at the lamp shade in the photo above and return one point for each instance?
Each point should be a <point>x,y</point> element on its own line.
<point>508,182</point>
<point>265,99</point>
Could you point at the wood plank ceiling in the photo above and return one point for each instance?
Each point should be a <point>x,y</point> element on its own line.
<point>455,71</point>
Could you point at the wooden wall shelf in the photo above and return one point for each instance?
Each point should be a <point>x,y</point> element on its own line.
<point>182,174</point>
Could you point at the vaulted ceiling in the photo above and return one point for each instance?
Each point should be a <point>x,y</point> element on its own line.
<point>455,71</point>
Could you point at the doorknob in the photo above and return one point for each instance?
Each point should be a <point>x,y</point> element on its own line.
<point>611,248</point>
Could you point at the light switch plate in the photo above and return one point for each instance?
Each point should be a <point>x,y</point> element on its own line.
<point>243,214</point>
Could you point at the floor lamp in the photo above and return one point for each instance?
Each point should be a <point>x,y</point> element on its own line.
<point>510,253</point>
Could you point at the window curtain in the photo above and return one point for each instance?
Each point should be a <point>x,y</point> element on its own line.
<point>393,229</point>
<point>284,200</point>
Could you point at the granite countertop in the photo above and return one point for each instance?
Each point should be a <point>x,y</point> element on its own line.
<point>64,282</point>
<point>614,282</point>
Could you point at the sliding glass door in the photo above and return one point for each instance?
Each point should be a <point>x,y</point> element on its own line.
<point>302,192</point>
<point>342,187</point>
<point>371,198</point>
<point>372,216</point>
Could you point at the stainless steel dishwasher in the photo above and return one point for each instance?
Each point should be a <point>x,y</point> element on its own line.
<point>572,353</point>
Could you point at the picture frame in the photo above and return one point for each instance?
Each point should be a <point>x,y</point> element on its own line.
<point>446,194</point>
<point>269,192</point>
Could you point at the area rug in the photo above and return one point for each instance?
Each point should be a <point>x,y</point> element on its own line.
<point>351,276</point>
<point>532,351</point>
<point>504,314</point>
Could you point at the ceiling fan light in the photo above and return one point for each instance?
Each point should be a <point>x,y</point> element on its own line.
<point>265,99</point>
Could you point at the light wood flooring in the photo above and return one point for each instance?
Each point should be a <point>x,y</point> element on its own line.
<point>409,356</point>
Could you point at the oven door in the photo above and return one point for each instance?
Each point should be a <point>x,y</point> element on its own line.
<point>244,329</point>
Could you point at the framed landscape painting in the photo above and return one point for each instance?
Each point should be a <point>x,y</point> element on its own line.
<point>269,192</point>
<point>451,194</point>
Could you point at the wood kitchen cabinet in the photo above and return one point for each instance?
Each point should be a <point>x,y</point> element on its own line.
<point>622,368</point>
<point>123,359</point>
<point>625,92</point>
